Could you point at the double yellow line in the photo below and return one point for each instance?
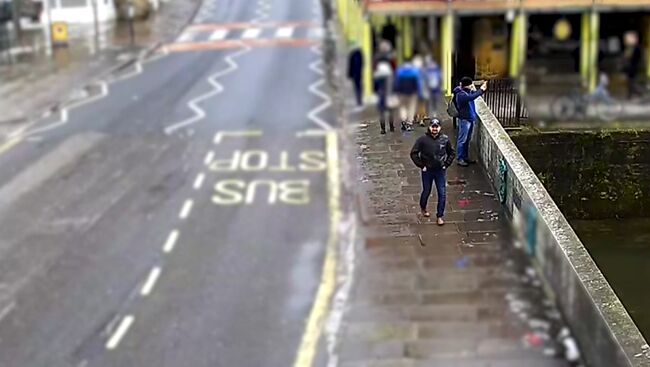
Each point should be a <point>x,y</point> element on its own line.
<point>317,316</point>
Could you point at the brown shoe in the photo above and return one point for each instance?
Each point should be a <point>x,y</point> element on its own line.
<point>426,214</point>
<point>440,222</point>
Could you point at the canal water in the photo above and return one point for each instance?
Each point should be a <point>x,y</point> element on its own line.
<point>621,248</point>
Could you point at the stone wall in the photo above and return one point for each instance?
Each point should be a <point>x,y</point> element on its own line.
<point>601,324</point>
<point>592,175</point>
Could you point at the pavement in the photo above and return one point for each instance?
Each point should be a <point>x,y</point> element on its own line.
<point>185,212</point>
<point>34,82</point>
<point>462,294</point>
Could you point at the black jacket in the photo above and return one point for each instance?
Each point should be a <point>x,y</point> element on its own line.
<point>433,152</point>
<point>355,64</point>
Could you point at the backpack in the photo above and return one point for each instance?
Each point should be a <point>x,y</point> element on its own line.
<point>452,109</point>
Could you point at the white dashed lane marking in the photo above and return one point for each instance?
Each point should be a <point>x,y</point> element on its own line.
<point>187,209</point>
<point>171,241</point>
<point>151,281</point>
<point>119,333</point>
<point>198,182</point>
<point>209,157</point>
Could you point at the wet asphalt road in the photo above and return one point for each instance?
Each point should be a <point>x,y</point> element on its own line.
<point>126,246</point>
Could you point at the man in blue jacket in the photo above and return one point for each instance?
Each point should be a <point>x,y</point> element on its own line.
<point>408,87</point>
<point>464,96</point>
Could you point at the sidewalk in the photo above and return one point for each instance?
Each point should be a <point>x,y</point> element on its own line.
<point>458,295</point>
<point>34,82</point>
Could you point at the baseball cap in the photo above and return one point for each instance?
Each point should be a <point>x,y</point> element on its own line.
<point>435,122</point>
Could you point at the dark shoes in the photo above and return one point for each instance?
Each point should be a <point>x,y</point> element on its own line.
<point>471,161</point>
<point>383,131</point>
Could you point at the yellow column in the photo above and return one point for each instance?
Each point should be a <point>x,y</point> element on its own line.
<point>367,59</point>
<point>447,43</point>
<point>408,37</point>
<point>589,49</point>
<point>518,44</point>
<point>594,36</point>
<point>584,47</point>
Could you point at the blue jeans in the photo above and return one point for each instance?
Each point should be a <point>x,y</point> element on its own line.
<point>465,129</point>
<point>438,176</point>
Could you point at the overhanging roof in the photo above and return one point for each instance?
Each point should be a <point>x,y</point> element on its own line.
<point>422,7</point>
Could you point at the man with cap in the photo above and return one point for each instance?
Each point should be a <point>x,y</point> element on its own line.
<point>464,96</point>
<point>433,153</point>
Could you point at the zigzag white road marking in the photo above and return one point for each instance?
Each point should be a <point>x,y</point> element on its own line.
<point>315,89</point>
<point>104,86</point>
<point>199,113</point>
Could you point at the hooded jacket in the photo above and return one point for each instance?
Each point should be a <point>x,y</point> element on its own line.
<point>464,100</point>
<point>433,152</point>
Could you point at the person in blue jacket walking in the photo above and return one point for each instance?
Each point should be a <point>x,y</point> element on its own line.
<point>434,84</point>
<point>408,87</point>
<point>464,96</point>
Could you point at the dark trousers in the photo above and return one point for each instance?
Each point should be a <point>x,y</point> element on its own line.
<point>358,90</point>
<point>386,114</point>
<point>439,176</point>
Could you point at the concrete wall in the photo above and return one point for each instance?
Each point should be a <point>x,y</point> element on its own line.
<point>607,335</point>
<point>592,175</point>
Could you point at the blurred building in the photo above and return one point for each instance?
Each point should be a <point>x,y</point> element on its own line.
<point>550,41</point>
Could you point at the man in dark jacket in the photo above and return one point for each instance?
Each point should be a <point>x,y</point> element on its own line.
<point>355,72</point>
<point>464,96</point>
<point>433,153</point>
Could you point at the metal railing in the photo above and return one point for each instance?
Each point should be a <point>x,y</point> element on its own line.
<point>505,102</point>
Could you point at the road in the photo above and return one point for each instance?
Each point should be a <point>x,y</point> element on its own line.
<point>184,215</point>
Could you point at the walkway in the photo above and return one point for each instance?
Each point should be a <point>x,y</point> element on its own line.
<point>458,295</point>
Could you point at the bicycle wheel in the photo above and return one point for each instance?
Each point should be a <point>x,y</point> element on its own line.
<point>609,111</point>
<point>563,108</point>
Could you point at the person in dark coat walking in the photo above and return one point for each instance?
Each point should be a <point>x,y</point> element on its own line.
<point>355,72</point>
<point>383,79</point>
<point>433,153</point>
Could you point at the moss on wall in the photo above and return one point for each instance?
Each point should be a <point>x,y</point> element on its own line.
<point>592,175</point>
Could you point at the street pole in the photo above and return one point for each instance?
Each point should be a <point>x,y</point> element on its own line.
<point>48,27</point>
<point>96,23</point>
<point>131,15</point>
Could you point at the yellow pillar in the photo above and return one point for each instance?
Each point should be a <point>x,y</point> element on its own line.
<point>408,37</point>
<point>367,59</point>
<point>594,36</point>
<point>584,46</point>
<point>589,49</point>
<point>518,44</point>
<point>447,44</point>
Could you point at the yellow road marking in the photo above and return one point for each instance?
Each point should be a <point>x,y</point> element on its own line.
<point>10,144</point>
<point>307,350</point>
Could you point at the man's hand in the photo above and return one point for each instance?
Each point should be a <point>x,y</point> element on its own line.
<point>484,86</point>
<point>424,169</point>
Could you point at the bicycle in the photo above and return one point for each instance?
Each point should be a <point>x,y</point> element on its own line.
<point>576,104</point>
